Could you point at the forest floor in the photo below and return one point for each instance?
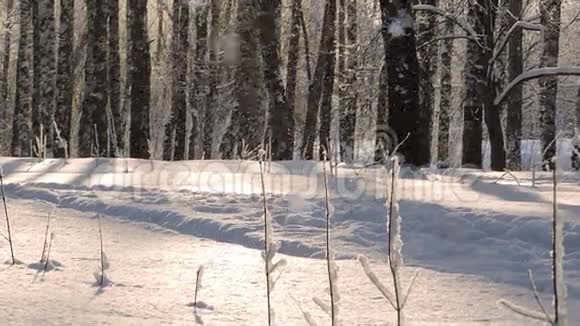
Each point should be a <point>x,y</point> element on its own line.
<point>472,239</point>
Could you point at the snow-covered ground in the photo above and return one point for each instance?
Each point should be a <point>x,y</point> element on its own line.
<point>472,239</point>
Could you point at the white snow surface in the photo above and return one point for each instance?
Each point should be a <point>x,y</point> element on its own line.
<point>472,238</point>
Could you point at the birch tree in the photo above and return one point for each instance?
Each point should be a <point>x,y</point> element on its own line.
<point>114,79</point>
<point>139,78</point>
<point>174,149</point>
<point>514,105</point>
<point>281,122</point>
<point>320,89</point>
<point>64,78</point>
<point>22,119</point>
<point>403,80</point>
<point>45,70</point>
<point>447,52</point>
<point>550,12</point>
<point>93,130</point>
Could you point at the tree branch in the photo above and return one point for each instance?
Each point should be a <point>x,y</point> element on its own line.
<point>535,74</point>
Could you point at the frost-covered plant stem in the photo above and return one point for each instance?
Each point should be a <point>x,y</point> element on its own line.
<point>394,238</point>
<point>7,217</point>
<point>559,286</point>
<point>558,256</point>
<point>198,278</point>
<point>329,257</point>
<point>397,299</point>
<point>266,240</point>
<point>102,254</point>
<point>47,259</point>
<point>46,239</point>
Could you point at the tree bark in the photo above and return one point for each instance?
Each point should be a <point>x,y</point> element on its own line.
<point>22,119</point>
<point>199,83</point>
<point>446,91</point>
<point>64,79</point>
<point>405,116</point>
<point>139,76</point>
<point>318,90</point>
<point>44,70</point>
<point>94,115</point>
<point>211,102</point>
<point>247,120</point>
<point>427,56</point>
<point>550,12</point>
<point>514,105</point>
<point>179,47</point>
<point>476,84</point>
<point>114,81</point>
<point>350,95</point>
<point>6,63</point>
<point>281,122</point>
<point>293,57</point>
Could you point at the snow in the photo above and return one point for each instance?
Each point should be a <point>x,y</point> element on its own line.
<point>472,239</point>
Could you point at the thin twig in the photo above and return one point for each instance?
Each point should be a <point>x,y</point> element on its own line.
<point>266,239</point>
<point>7,218</point>
<point>328,253</point>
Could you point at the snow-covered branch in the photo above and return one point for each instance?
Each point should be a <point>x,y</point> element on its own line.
<point>518,25</point>
<point>457,20</point>
<point>535,74</point>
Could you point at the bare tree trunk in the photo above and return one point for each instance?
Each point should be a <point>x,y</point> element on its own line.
<point>114,77</point>
<point>139,76</point>
<point>211,102</point>
<point>64,78</point>
<point>350,97</point>
<point>247,120</point>
<point>22,119</point>
<point>95,102</point>
<point>323,80</point>
<point>475,84</point>
<point>6,64</point>
<point>427,56</point>
<point>293,57</point>
<point>281,119</point>
<point>45,69</point>
<point>179,47</point>
<point>405,117</point>
<point>514,105</point>
<point>200,77</point>
<point>446,91</point>
<point>550,12</point>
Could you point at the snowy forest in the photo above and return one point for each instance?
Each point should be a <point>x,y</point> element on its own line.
<point>290,162</point>
<point>220,79</point>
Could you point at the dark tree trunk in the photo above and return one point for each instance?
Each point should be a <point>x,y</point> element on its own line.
<point>199,83</point>
<point>550,11</point>
<point>94,114</point>
<point>405,116</point>
<point>114,83</point>
<point>481,89</point>
<point>179,47</point>
<point>247,120</point>
<point>427,56</point>
<point>64,79</point>
<point>281,122</point>
<point>6,64</point>
<point>22,119</point>
<point>446,91</point>
<point>139,76</point>
<point>45,70</point>
<point>514,104</point>
<point>323,79</point>
<point>211,102</point>
<point>350,97</point>
<point>475,79</point>
<point>293,57</point>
